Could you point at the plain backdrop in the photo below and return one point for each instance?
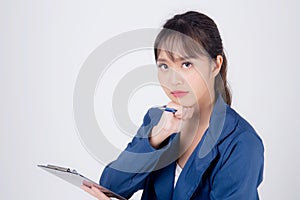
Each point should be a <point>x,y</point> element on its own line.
<point>43,45</point>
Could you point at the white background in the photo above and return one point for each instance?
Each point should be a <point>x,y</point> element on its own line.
<point>44,43</point>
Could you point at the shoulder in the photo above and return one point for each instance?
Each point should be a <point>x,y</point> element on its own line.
<point>243,139</point>
<point>242,130</point>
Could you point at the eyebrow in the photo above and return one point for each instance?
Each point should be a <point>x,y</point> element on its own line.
<point>177,59</point>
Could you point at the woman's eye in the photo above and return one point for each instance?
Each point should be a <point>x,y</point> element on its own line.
<point>163,67</point>
<point>186,65</point>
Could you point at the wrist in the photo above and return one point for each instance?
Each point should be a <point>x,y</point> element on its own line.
<point>157,136</point>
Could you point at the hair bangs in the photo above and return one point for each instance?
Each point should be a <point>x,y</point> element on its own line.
<point>177,44</point>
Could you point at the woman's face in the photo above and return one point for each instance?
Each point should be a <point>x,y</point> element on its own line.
<point>186,81</point>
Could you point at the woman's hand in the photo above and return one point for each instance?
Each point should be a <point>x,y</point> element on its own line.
<point>170,123</point>
<point>95,192</point>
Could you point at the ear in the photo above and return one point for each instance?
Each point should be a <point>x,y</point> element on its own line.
<point>217,66</point>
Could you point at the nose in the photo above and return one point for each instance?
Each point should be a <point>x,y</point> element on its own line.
<point>176,78</point>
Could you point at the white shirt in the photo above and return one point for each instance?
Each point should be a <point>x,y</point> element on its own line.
<point>177,173</point>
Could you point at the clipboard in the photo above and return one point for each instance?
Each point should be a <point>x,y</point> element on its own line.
<point>73,177</point>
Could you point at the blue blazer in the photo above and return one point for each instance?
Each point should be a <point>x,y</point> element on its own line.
<point>227,164</point>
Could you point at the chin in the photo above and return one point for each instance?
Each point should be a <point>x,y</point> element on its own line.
<point>186,102</point>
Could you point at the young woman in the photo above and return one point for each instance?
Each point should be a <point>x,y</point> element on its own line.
<point>202,150</point>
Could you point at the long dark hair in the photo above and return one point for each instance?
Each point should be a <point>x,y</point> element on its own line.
<point>204,31</point>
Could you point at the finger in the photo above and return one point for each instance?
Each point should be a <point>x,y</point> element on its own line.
<point>185,113</point>
<point>178,113</point>
<point>99,194</point>
<point>190,112</point>
<point>88,190</point>
<point>179,124</point>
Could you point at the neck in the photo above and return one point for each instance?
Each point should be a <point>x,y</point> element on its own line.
<point>204,109</point>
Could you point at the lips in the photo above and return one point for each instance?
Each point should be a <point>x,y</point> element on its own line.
<point>179,93</point>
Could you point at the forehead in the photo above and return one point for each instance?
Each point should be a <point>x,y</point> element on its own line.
<point>166,55</point>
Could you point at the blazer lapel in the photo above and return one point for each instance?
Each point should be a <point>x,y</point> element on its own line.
<point>220,125</point>
<point>192,174</point>
<point>164,181</point>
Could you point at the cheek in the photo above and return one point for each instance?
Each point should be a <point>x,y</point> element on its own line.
<point>197,84</point>
<point>163,80</point>
<point>195,80</point>
<point>165,84</point>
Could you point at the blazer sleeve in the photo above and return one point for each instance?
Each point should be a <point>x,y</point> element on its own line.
<point>128,173</point>
<point>242,170</point>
